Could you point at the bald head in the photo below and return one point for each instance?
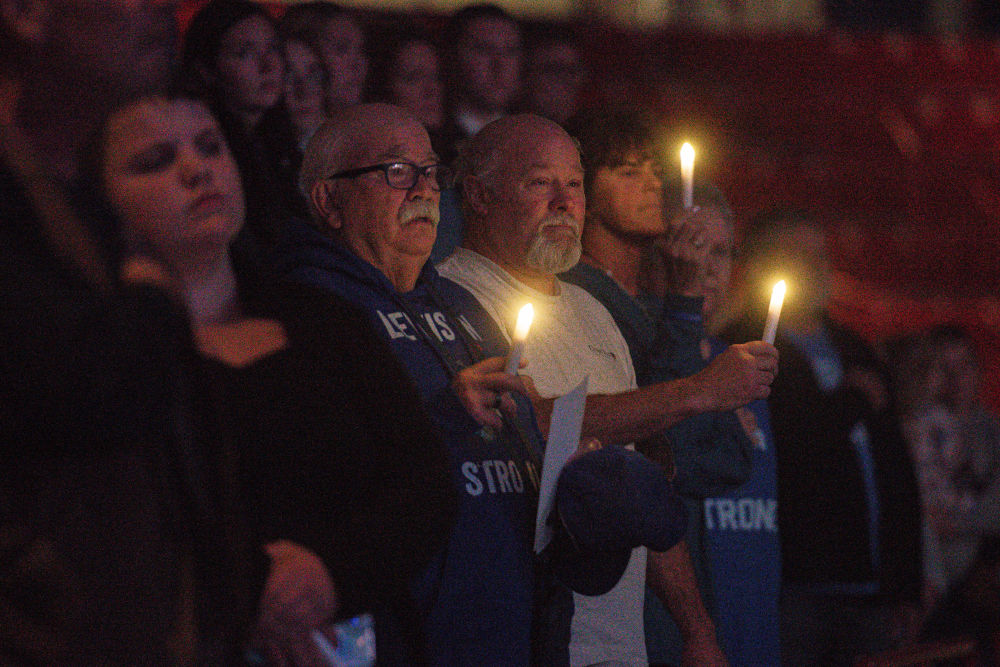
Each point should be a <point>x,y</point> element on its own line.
<point>482,155</point>
<point>522,184</point>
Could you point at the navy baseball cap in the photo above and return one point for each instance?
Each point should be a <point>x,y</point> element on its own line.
<point>609,502</point>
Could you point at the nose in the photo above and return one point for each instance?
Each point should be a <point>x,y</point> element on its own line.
<point>426,187</point>
<point>194,171</point>
<point>564,197</point>
<point>654,181</point>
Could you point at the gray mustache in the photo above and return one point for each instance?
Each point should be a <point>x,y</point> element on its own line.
<point>419,209</point>
<point>558,219</point>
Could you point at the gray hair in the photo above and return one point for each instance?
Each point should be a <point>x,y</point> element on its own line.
<point>478,157</point>
<point>321,158</point>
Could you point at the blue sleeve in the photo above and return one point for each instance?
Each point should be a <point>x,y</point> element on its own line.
<point>712,453</point>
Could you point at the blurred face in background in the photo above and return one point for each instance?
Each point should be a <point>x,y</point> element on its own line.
<point>305,86</point>
<point>719,238</point>
<point>168,174</point>
<point>489,63</point>
<point>799,256</point>
<point>250,69</point>
<point>415,83</point>
<point>554,78</point>
<point>958,370</point>
<point>342,48</point>
<point>121,46</point>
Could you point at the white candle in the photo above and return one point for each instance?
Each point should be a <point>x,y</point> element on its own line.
<point>687,174</point>
<point>774,311</point>
<point>524,317</point>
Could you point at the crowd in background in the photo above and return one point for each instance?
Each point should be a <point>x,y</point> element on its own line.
<point>238,403</point>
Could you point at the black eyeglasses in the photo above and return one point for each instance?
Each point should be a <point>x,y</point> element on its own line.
<point>403,175</point>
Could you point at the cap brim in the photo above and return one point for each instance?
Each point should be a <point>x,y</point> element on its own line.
<point>587,572</point>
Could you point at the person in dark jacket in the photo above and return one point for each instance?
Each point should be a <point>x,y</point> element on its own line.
<point>372,230</point>
<point>850,519</point>
<point>109,553</point>
<point>324,426</point>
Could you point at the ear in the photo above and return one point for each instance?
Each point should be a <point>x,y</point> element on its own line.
<point>323,198</point>
<point>477,195</point>
<point>26,19</point>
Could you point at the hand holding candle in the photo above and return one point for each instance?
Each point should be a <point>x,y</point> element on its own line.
<point>524,317</point>
<point>687,174</point>
<point>774,311</point>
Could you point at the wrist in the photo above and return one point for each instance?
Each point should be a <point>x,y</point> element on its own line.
<point>694,395</point>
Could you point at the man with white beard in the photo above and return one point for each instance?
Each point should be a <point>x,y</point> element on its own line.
<point>523,200</point>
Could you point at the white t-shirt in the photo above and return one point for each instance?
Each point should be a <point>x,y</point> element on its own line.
<point>572,335</point>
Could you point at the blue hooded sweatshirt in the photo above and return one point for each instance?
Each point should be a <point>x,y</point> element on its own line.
<point>476,596</point>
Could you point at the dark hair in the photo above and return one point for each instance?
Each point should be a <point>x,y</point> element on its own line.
<point>15,54</point>
<point>949,334</point>
<point>459,22</point>
<point>307,21</point>
<point>204,36</point>
<point>389,41</point>
<point>607,135</point>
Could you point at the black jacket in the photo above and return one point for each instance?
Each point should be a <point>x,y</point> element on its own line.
<point>822,512</point>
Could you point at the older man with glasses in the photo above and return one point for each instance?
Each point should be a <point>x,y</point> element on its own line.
<point>373,183</point>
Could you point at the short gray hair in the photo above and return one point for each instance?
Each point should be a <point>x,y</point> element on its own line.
<point>325,154</point>
<point>478,157</point>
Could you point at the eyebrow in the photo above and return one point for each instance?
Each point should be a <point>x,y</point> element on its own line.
<point>397,153</point>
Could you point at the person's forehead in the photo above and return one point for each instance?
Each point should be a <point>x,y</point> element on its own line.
<point>298,51</point>
<point>542,149</point>
<point>400,138</point>
<point>636,155</point>
<point>342,28</point>
<point>159,119</point>
<point>494,30</point>
<point>415,52</point>
<point>252,27</point>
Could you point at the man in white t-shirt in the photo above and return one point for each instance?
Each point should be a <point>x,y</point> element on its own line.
<point>524,206</point>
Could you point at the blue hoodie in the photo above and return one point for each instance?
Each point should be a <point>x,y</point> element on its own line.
<point>477,595</point>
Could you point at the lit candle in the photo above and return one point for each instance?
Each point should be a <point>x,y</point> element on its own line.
<point>687,174</point>
<point>524,317</point>
<point>774,311</point>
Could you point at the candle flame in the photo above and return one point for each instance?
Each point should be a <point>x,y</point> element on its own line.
<point>687,157</point>
<point>524,317</point>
